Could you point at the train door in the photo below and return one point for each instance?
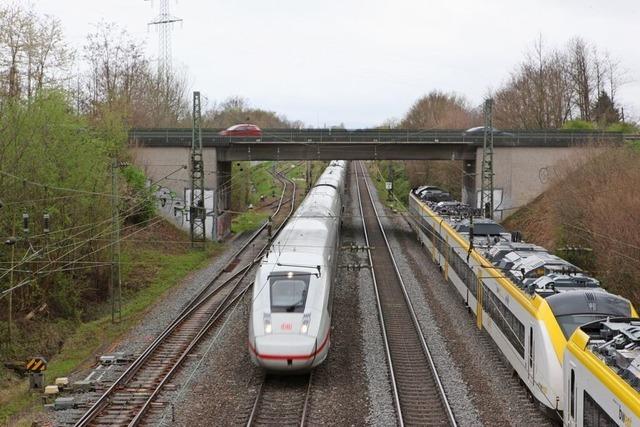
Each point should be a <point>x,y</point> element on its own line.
<point>571,417</point>
<point>531,357</point>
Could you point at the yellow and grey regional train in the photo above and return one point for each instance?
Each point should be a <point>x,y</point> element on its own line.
<point>533,305</point>
<point>602,374</point>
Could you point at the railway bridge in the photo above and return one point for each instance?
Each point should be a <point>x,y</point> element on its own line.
<point>524,162</point>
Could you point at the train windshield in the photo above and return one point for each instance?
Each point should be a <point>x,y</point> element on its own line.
<point>570,322</point>
<point>289,293</point>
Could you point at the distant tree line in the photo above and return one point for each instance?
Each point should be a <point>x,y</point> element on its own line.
<point>576,87</point>
<point>553,86</point>
<point>64,116</point>
<point>238,110</point>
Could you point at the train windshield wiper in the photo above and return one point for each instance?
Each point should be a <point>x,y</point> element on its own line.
<point>293,307</point>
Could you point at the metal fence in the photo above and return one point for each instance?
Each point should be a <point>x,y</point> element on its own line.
<point>211,137</point>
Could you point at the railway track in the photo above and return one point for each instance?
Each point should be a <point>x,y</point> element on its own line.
<point>282,401</point>
<point>131,399</point>
<point>418,393</point>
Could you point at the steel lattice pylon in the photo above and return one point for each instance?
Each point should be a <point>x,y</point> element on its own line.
<point>486,187</point>
<point>164,21</point>
<point>197,210</point>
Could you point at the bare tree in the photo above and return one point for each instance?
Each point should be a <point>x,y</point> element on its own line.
<point>439,110</point>
<point>33,52</point>
<point>537,95</point>
<point>582,76</point>
<point>237,109</point>
<point>552,86</point>
<point>120,78</point>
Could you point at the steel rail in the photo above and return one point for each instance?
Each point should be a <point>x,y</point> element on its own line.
<point>394,385</point>
<point>305,407</point>
<point>260,401</point>
<point>218,313</point>
<point>418,329</point>
<point>195,303</point>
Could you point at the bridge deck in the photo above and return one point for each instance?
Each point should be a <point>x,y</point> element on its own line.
<point>325,144</point>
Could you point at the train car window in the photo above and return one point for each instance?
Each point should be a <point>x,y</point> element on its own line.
<point>572,400</point>
<point>505,320</point>
<point>593,415</point>
<point>289,294</point>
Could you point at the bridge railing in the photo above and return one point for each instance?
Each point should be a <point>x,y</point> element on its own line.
<point>182,137</point>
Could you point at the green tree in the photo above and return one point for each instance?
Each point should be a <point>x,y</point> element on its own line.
<point>52,162</point>
<point>604,111</point>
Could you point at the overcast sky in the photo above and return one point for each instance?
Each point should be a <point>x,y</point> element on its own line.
<point>361,62</point>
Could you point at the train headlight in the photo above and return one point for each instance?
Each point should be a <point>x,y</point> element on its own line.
<point>306,319</point>
<point>267,323</point>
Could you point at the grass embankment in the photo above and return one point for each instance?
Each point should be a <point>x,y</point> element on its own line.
<point>379,172</point>
<point>152,265</point>
<point>593,206</point>
<point>261,190</point>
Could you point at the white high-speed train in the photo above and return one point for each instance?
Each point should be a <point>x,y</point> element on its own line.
<point>532,304</point>
<point>290,319</point>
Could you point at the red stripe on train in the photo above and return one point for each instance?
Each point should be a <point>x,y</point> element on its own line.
<point>290,357</point>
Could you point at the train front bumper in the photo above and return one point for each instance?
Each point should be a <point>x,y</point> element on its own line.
<point>284,352</point>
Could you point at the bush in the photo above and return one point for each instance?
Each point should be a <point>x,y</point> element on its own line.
<point>142,195</point>
<point>578,125</point>
<point>624,128</point>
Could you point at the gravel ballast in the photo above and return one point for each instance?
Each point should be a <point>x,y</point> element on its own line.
<point>453,382</point>
<point>151,324</point>
<point>484,390</point>
<point>219,384</point>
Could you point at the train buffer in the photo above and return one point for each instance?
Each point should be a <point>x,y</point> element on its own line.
<point>36,366</point>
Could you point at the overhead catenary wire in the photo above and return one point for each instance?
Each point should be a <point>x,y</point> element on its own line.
<point>51,187</point>
<point>132,210</point>
<point>74,190</point>
<point>82,243</point>
<point>42,272</point>
<point>86,227</point>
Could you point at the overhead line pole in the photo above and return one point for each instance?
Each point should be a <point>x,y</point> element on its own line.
<point>115,284</point>
<point>197,211</point>
<point>486,188</point>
